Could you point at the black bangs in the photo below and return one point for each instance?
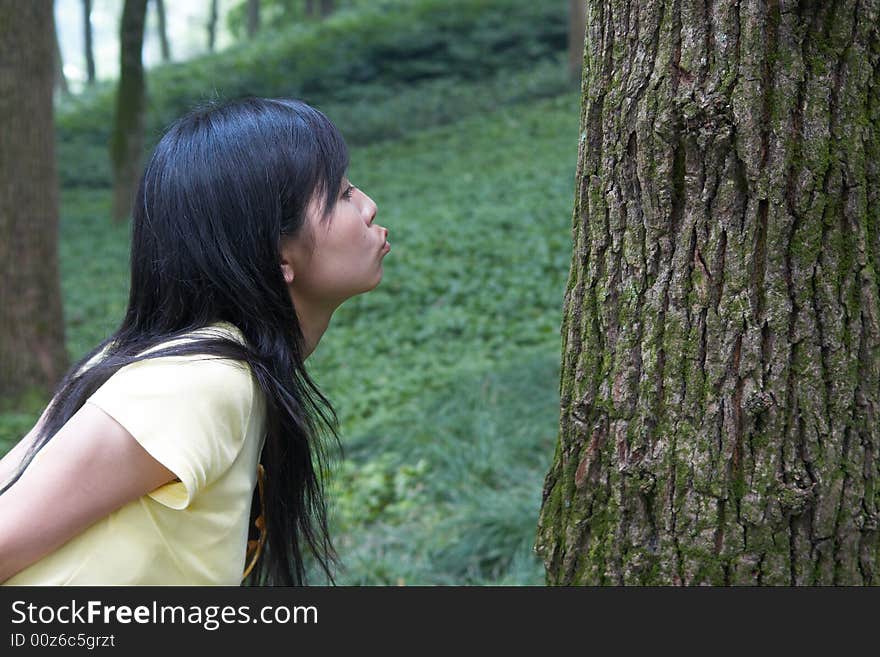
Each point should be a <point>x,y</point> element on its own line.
<point>325,150</point>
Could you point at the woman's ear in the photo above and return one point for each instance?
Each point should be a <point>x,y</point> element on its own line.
<point>287,271</point>
<point>285,254</point>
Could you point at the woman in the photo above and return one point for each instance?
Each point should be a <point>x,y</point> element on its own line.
<point>247,235</point>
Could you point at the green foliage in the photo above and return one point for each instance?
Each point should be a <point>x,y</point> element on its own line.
<point>364,57</point>
<point>371,114</point>
<point>279,14</point>
<point>447,486</point>
<point>367,113</point>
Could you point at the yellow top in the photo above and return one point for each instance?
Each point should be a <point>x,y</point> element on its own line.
<point>202,418</point>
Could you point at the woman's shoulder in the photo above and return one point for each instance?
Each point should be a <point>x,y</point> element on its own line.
<point>183,381</point>
<point>202,371</point>
<point>221,329</point>
<point>210,370</point>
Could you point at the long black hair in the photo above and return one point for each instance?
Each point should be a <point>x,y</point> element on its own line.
<point>224,186</point>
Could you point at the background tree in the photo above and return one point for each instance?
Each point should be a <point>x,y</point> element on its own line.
<point>577,16</point>
<point>127,140</point>
<point>89,49</point>
<point>60,78</point>
<point>163,32</point>
<point>212,25</point>
<point>319,8</point>
<point>247,17</point>
<point>720,389</point>
<point>253,17</point>
<point>32,353</point>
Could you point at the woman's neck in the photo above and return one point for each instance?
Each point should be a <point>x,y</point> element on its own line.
<point>313,320</point>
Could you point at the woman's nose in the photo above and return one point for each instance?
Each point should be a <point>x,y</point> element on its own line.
<point>371,209</point>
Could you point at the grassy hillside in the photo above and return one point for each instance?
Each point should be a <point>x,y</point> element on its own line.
<point>422,62</point>
<point>446,376</point>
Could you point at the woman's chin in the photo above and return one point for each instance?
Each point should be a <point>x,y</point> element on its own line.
<point>367,286</point>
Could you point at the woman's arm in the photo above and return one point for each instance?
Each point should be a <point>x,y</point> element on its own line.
<point>9,463</point>
<point>91,467</point>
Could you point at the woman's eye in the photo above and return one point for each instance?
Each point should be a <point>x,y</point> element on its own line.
<point>348,192</point>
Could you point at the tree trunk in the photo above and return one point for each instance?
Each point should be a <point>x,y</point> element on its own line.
<point>212,26</point>
<point>32,353</point>
<point>720,389</point>
<point>326,8</point>
<point>163,32</point>
<point>253,17</point>
<point>127,140</point>
<point>90,52</point>
<point>310,8</point>
<point>577,17</point>
<point>60,78</point>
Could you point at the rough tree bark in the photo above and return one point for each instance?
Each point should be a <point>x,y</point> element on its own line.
<point>89,48</point>
<point>720,389</point>
<point>32,353</point>
<point>126,144</point>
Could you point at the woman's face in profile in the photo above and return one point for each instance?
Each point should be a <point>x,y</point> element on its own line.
<point>346,251</point>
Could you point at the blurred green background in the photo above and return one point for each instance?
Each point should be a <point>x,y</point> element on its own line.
<point>463,123</point>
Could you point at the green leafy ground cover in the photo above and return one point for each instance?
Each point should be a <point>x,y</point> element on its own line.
<point>445,378</point>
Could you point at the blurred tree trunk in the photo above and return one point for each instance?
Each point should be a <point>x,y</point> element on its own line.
<point>577,17</point>
<point>90,52</point>
<point>60,78</point>
<point>127,140</point>
<point>253,17</point>
<point>212,25</point>
<point>720,388</point>
<point>324,8</point>
<point>163,31</point>
<point>32,353</point>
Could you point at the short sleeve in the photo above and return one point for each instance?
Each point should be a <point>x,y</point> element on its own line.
<point>190,413</point>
